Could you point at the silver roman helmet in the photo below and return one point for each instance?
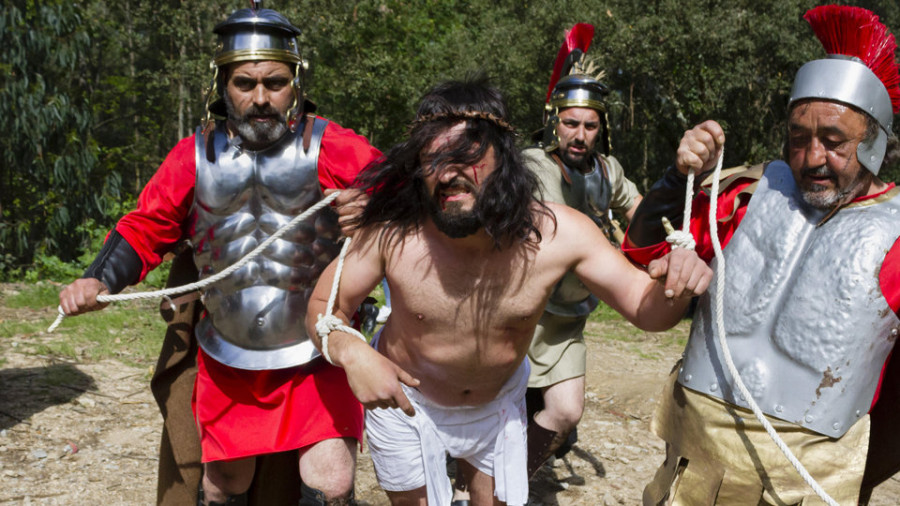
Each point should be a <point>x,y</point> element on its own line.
<point>859,71</point>
<point>255,34</point>
<point>580,86</point>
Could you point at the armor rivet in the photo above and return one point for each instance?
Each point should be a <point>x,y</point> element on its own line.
<point>687,378</point>
<point>857,413</point>
<point>779,408</point>
<point>836,426</point>
<point>894,332</point>
<point>260,322</point>
<point>713,387</point>
<point>808,419</point>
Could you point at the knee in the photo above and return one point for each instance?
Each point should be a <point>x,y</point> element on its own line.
<point>226,478</point>
<point>328,489</point>
<point>571,415</point>
<point>565,417</point>
<point>328,467</point>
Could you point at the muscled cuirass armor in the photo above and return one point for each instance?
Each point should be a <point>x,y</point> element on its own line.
<point>590,193</point>
<point>254,318</point>
<point>806,322</point>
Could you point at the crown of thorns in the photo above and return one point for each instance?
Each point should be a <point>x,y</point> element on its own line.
<point>493,118</point>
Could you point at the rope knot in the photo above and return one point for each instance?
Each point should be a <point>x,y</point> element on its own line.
<point>678,238</point>
<point>327,324</point>
<point>681,239</point>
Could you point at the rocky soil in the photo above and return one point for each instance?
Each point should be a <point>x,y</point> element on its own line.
<point>86,433</point>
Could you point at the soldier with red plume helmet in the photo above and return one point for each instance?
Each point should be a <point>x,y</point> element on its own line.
<point>811,296</point>
<point>573,163</point>
<point>257,386</point>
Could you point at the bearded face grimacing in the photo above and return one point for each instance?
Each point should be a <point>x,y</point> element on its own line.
<point>449,216</point>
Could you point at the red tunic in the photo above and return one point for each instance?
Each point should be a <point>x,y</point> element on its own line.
<point>731,208</point>
<point>243,413</point>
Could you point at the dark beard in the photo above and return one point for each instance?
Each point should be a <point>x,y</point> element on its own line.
<point>453,223</point>
<point>257,135</point>
<point>584,164</point>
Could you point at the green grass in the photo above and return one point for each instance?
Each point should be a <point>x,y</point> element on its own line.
<point>36,296</point>
<point>131,332</point>
<point>132,335</point>
<point>604,313</point>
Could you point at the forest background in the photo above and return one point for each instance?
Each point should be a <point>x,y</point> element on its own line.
<point>93,94</point>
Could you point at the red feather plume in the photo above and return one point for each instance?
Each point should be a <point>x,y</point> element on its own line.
<point>854,31</point>
<point>579,37</point>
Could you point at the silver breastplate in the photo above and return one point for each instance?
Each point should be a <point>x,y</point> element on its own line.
<point>806,322</point>
<point>591,194</point>
<point>255,317</point>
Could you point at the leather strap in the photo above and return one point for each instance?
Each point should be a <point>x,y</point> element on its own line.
<point>117,265</point>
<point>307,131</point>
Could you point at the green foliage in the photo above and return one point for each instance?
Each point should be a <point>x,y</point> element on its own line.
<point>48,183</point>
<point>97,93</point>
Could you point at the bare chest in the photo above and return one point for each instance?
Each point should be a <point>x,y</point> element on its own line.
<point>499,292</point>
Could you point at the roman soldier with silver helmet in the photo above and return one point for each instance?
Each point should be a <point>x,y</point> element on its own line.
<point>575,167</point>
<point>811,294</point>
<point>261,159</point>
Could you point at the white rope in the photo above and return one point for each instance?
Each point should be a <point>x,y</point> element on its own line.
<point>683,238</point>
<point>328,322</point>
<point>215,278</point>
<point>720,324</point>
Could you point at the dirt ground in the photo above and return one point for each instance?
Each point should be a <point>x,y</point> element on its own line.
<point>86,433</point>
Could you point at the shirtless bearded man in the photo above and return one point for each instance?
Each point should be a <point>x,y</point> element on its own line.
<point>471,257</point>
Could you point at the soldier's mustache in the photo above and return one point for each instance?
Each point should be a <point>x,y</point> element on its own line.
<point>820,171</point>
<point>267,110</point>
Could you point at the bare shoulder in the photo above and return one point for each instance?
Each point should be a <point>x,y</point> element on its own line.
<point>569,228</point>
<point>567,220</point>
<point>376,241</point>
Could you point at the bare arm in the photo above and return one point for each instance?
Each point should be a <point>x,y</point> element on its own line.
<point>654,300</point>
<point>374,379</point>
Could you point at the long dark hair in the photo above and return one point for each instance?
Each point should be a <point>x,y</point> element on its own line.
<point>507,205</point>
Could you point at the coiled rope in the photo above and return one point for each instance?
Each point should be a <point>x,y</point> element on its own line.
<point>214,278</point>
<point>679,239</point>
